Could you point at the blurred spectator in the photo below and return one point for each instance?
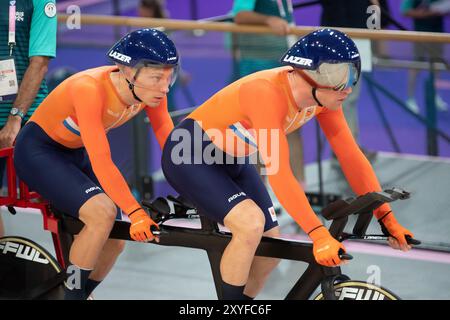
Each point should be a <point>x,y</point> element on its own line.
<point>28,42</point>
<point>260,52</point>
<point>427,16</point>
<point>345,13</point>
<point>152,9</point>
<point>351,14</point>
<point>379,47</point>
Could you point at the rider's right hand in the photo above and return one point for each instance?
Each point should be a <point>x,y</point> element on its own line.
<point>396,232</point>
<point>325,247</point>
<point>140,226</point>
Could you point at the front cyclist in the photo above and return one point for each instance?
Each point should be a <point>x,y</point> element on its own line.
<point>259,111</point>
<point>64,155</point>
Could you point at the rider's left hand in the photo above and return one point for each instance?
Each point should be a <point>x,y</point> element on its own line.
<point>397,233</point>
<point>140,227</point>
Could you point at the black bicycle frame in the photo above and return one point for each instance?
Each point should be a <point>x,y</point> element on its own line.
<point>214,241</point>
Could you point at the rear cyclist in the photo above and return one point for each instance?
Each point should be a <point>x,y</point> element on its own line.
<point>259,111</point>
<point>64,155</point>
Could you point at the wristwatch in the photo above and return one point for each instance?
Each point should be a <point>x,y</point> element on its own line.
<point>16,112</point>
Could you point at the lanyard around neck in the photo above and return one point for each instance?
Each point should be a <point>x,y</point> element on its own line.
<point>281,9</point>
<point>12,26</point>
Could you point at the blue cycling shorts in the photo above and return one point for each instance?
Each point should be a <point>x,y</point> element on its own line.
<point>215,188</point>
<point>61,175</point>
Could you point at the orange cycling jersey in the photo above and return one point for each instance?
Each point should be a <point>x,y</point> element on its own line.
<point>263,104</point>
<point>80,112</point>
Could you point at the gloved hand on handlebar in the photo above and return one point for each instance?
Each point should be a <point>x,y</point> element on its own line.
<point>140,226</point>
<point>396,233</point>
<point>325,247</point>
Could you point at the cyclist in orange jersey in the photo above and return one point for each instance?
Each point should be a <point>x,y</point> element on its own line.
<point>207,157</point>
<point>63,152</point>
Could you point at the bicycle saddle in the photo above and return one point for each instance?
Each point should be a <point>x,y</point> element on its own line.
<point>163,208</point>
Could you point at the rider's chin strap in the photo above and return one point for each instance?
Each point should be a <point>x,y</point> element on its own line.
<point>313,85</point>
<point>314,90</point>
<point>131,87</point>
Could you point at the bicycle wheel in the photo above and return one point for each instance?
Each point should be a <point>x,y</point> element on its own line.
<point>28,271</point>
<point>359,290</point>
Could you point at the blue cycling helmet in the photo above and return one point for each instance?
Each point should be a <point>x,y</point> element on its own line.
<point>145,48</point>
<point>328,58</point>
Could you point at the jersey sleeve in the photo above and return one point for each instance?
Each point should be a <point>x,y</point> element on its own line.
<point>267,114</point>
<point>160,121</point>
<point>357,169</point>
<point>88,103</point>
<point>43,29</point>
<point>242,5</point>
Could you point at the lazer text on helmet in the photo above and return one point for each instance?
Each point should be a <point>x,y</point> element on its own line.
<point>120,56</point>
<point>298,60</point>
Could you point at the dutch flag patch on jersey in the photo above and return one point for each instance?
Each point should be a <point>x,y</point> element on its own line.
<point>273,215</point>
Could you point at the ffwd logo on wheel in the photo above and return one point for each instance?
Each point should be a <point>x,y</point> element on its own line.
<point>351,293</point>
<point>22,252</point>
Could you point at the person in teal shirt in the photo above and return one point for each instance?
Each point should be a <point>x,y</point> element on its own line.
<point>261,52</point>
<point>426,18</point>
<point>35,45</point>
